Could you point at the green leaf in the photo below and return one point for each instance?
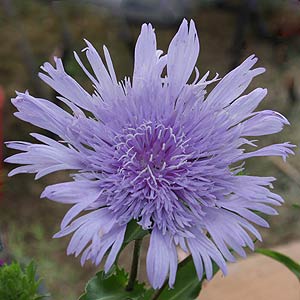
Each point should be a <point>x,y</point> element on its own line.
<point>16,283</point>
<point>285,260</point>
<point>134,232</point>
<point>148,294</point>
<point>241,173</point>
<point>187,285</point>
<point>296,205</point>
<point>113,287</point>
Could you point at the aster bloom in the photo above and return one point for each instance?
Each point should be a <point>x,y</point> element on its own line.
<point>155,149</point>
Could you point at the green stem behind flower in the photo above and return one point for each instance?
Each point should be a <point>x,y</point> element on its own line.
<point>134,265</point>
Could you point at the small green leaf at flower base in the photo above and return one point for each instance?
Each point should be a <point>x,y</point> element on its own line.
<point>134,232</point>
<point>187,285</point>
<point>285,260</point>
<point>113,287</point>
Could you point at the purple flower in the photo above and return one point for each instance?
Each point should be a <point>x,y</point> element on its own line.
<point>155,149</point>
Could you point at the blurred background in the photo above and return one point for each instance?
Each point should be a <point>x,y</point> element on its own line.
<point>33,31</point>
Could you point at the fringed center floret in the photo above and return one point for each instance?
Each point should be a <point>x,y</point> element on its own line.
<point>151,160</point>
<point>153,155</point>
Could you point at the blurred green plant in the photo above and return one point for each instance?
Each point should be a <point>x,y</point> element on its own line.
<point>45,257</point>
<point>296,205</point>
<point>19,284</point>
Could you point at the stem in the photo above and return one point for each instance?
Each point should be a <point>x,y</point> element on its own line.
<point>134,265</point>
<point>181,264</point>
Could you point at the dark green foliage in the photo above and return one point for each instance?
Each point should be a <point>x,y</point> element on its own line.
<point>112,287</point>
<point>18,284</point>
<point>134,232</point>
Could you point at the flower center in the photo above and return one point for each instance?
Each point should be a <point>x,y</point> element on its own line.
<point>152,154</point>
<point>152,164</point>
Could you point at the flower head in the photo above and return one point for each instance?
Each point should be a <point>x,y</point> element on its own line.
<point>157,150</point>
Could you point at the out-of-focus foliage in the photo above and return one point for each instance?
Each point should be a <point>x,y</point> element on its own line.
<point>18,284</point>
